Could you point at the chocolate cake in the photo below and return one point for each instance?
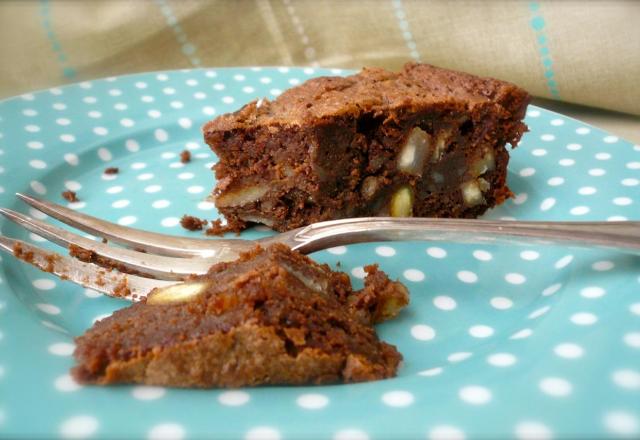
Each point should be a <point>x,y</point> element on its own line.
<point>271,317</point>
<point>425,142</point>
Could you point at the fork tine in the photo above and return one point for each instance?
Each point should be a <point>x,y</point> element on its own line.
<point>155,266</point>
<point>158,244</point>
<point>84,274</point>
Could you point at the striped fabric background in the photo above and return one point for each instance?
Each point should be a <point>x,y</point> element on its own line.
<point>581,52</point>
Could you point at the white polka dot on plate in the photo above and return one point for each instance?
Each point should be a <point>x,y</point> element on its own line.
<point>547,204</point>
<point>196,189</point>
<point>234,398</point>
<point>312,401</point>
<point>626,378</point>
<point>475,395</point>
<point>170,222</point>
<point>38,164</point>
<point>414,275</point>
<point>423,332</point>
<point>467,276</point>
<point>161,135</point>
<point>143,392</point>
<point>61,348</point>
<point>501,359</point>
<point>574,147</point>
<point>436,252</point>
<point>622,201</point>
<point>555,386</point>
<point>481,331</point>
<point>501,303</point>
<point>622,423</point>
<point>80,426</point>
<point>350,434</point>
<point>522,334</point>
<point>66,384</point>
<point>398,399</point>
<point>262,433</point>
<point>127,220</point>
<point>592,292</point>
<point>44,284</point>
<point>337,250</point>
<point>530,430</point>
<point>166,431</point>
<point>632,339</point>
<point>445,432</point>
<point>563,262</point>
<point>527,172</point>
<point>568,350</point>
<point>482,255</point>
<point>529,255</point>
<point>120,204</point>
<point>515,278</point>
<point>444,302</point>
<point>555,181</point>
<point>385,251</point>
<point>459,356</point>
<point>49,309</point>
<point>583,318</point>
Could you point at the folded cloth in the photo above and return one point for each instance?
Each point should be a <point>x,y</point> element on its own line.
<point>580,52</point>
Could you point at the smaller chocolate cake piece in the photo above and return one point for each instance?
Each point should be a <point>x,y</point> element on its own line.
<point>271,317</point>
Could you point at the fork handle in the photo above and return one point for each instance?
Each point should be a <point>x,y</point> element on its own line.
<point>623,236</point>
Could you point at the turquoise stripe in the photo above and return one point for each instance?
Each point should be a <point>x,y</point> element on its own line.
<point>45,17</point>
<point>188,49</point>
<point>538,25</point>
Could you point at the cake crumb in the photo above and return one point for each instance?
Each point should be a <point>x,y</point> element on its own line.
<point>192,223</point>
<point>112,170</point>
<point>218,229</point>
<point>185,156</point>
<point>71,196</point>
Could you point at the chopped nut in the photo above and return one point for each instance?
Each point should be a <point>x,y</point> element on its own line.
<point>415,150</point>
<point>369,187</point>
<point>176,293</point>
<point>441,144</point>
<point>486,163</point>
<point>241,196</point>
<point>471,193</point>
<point>402,202</point>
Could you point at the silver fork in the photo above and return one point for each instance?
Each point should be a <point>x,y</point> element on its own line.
<point>149,260</point>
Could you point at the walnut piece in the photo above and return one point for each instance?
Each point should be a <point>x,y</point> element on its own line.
<point>241,196</point>
<point>402,202</point>
<point>414,152</point>
<point>176,293</point>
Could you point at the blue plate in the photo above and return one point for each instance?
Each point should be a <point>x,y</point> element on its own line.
<point>499,341</point>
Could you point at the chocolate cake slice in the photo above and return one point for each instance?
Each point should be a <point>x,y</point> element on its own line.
<point>425,142</point>
<point>271,317</point>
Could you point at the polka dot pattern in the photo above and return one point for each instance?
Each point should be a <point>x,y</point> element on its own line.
<point>486,308</point>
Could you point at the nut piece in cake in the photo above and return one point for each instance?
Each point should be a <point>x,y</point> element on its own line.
<point>271,317</point>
